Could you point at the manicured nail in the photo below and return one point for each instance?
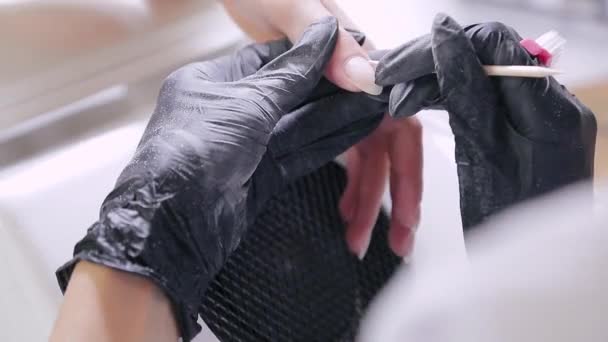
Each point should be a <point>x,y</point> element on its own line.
<point>407,258</point>
<point>362,74</point>
<point>410,219</point>
<point>415,227</point>
<point>405,244</point>
<point>364,248</point>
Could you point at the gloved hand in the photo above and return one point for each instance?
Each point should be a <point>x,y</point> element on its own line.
<point>211,155</point>
<point>516,138</point>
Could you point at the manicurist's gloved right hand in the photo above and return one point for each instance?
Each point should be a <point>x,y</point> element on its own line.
<point>226,135</point>
<point>515,137</point>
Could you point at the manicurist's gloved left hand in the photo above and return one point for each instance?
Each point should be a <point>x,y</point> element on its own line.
<point>226,135</point>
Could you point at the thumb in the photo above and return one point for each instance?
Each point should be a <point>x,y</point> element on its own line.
<point>349,66</point>
<point>292,76</point>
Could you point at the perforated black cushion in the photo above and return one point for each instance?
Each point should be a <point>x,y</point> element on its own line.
<point>292,277</point>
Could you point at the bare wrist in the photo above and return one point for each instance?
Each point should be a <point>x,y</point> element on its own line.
<point>103,304</point>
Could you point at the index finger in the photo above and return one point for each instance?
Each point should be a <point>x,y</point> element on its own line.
<point>470,97</point>
<point>407,62</point>
<point>292,18</point>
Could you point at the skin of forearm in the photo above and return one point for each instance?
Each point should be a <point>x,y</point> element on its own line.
<point>106,305</point>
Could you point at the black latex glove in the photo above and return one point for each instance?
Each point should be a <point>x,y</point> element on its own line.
<point>207,162</point>
<point>515,137</point>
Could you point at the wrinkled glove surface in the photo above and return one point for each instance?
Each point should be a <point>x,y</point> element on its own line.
<point>515,138</point>
<point>225,136</point>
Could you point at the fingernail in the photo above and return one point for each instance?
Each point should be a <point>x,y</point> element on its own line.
<point>410,219</point>
<point>415,227</point>
<point>362,74</point>
<point>407,258</point>
<point>404,244</point>
<point>364,249</point>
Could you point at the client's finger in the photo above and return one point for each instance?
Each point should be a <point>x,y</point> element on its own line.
<point>348,67</point>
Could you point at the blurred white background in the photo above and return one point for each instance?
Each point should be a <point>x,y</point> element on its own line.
<point>78,80</point>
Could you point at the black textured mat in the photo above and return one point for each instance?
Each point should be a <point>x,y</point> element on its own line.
<point>292,277</point>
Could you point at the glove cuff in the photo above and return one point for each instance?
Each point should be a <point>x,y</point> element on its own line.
<point>96,250</point>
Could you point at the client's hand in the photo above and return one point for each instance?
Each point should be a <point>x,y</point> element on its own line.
<point>516,138</point>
